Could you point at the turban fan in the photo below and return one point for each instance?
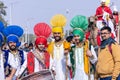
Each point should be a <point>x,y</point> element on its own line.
<point>42,31</point>
<point>13,33</point>
<point>79,24</point>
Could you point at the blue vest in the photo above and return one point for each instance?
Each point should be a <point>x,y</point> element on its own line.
<point>7,66</point>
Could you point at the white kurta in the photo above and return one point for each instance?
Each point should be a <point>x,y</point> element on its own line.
<point>15,62</point>
<point>2,76</point>
<point>79,72</point>
<point>79,61</point>
<point>59,63</point>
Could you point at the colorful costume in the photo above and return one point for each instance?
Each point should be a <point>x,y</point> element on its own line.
<point>36,60</point>
<point>79,59</point>
<point>13,60</point>
<point>104,14</point>
<point>58,61</point>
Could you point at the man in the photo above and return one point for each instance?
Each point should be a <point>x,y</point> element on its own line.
<point>38,59</point>
<point>14,55</point>
<point>58,49</point>
<point>108,65</point>
<point>104,13</point>
<point>82,52</point>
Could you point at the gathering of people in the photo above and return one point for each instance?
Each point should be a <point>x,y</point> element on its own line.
<point>91,52</point>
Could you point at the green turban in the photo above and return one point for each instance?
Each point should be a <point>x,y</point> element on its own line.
<point>79,24</point>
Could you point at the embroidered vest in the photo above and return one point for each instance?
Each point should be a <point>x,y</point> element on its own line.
<point>7,66</point>
<point>31,62</point>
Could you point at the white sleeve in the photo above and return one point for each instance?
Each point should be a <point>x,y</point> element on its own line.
<point>94,58</point>
<point>23,67</point>
<point>69,62</point>
<point>52,63</point>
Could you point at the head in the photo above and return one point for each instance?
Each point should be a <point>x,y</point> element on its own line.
<point>41,43</point>
<point>13,38</point>
<point>57,33</point>
<point>78,35</point>
<point>105,32</point>
<point>30,46</point>
<point>69,39</point>
<point>103,3</point>
<point>26,45</point>
<point>12,46</point>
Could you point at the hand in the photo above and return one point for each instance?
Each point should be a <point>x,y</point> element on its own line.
<point>8,78</point>
<point>89,53</point>
<point>54,73</point>
<point>66,51</point>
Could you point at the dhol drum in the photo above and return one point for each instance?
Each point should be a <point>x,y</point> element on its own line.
<point>41,75</point>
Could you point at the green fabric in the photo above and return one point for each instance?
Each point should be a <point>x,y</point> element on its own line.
<point>79,21</point>
<point>80,33</point>
<point>72,59</point>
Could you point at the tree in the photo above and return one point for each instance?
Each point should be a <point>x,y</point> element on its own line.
<point>2,12</point>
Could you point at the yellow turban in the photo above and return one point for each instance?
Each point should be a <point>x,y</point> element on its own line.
<point>58,22</point>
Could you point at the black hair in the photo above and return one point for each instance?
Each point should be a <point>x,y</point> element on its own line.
<point>69,38</point>
<point>106,28</point>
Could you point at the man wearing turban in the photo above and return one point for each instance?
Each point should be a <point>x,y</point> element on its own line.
<point>81,54</point>
<point>103,13</point>
<point>39,58</point>
<point>59,61</point>
<point>14,58</point>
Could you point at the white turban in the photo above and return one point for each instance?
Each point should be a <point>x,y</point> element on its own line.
<point>102,0</point>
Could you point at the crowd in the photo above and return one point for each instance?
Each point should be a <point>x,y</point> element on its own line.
<point>91,52</point>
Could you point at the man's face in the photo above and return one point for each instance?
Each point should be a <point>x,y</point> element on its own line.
<point>105,34</point>
<point>76,39</point>
<point>41,47</point>
<point>102,4</point>
<point>12,46</point>
<point>57,36</point>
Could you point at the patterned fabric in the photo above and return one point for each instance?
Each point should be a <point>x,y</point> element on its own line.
<point>7,66</point>
<point>31,62</point>
<point>86,60</point>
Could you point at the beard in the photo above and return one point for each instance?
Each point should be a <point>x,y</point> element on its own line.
<point>12,48</point>
<point>57,38</point>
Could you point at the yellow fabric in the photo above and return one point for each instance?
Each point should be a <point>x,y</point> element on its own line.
<point>57,29</point>
<point>86,59</point>
<point>66,45</point>
<point>58,21</point>
<point>50,49</point>
<point>107,2</point>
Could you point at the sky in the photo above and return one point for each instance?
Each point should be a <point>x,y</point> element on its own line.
<point>27,13</point>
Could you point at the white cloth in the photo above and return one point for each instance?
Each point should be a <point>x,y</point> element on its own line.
<point>79,72</point>
<point>2,76</point>
<point>14,61</point>
<point>79,60</point>
<point>58,63</point>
